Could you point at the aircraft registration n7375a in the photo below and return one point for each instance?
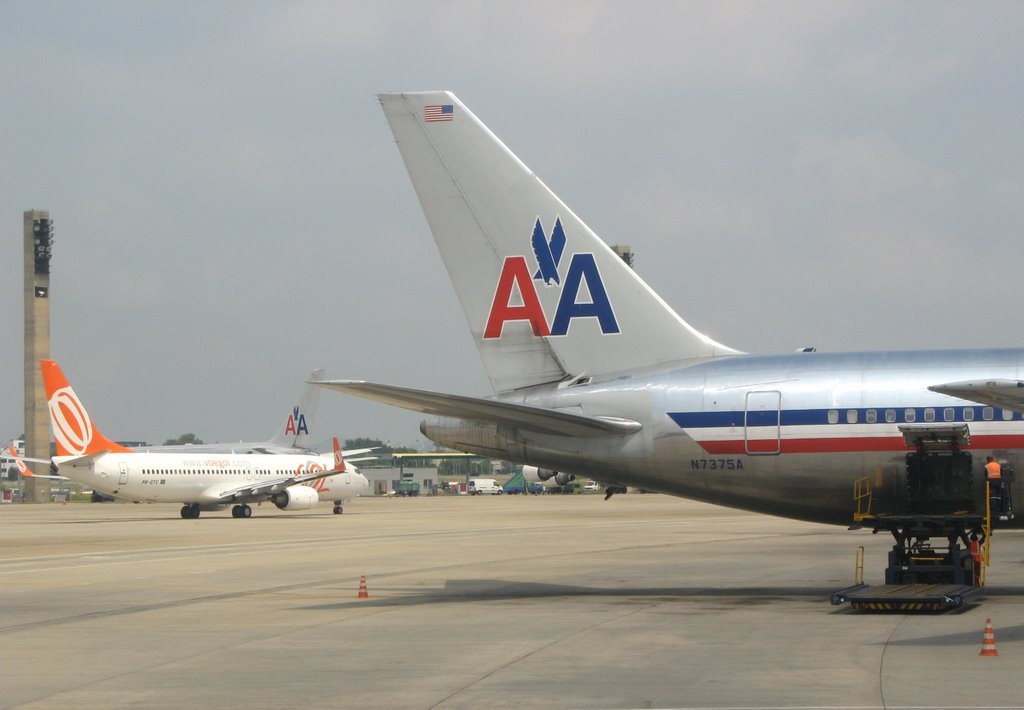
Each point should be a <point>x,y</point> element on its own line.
<point>596,376</point>
<point>201,480</point>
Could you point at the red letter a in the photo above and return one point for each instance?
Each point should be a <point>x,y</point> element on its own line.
<point>515,272</point>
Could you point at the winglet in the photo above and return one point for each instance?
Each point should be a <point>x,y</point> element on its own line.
<point>22,468</point>
<point>73,429</point>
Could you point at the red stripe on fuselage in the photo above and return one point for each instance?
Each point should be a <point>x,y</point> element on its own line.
<point>850,444</point>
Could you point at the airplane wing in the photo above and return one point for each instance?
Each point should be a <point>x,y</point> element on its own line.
<point>548,421</point>
<point>265,489</point>
<point>357,452</point>
<point>1008,394</point>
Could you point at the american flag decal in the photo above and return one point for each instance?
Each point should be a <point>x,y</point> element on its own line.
<point>443,112</point>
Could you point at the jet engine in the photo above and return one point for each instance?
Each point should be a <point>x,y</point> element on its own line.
<point>546,476</point>
<point>296,498</point>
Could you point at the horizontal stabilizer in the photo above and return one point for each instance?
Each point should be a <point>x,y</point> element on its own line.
<point>1008,394</point>
<point>548,421</point>
<point>83,461</point>
<point>25,470</point>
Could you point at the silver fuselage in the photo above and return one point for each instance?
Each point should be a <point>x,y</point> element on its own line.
<point>786,435</point>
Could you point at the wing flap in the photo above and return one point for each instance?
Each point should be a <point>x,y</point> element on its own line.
<point>547,421</point>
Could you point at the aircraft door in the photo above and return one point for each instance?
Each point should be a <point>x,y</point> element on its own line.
<point>123,478</point>
<point>761,423</point>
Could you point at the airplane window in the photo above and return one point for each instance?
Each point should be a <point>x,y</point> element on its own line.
<point>871,416</point>
<point>851,416</point>
<point>948,414</point>
<point>833,416</point>
<point>987,413</point>
<point>910,415</point>
<point>890,415</point>
<point>968,414</point>
<point>1007,414</point>
<point>929,414</point>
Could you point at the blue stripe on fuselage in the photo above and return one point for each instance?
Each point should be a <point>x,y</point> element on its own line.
<point>812,417</point>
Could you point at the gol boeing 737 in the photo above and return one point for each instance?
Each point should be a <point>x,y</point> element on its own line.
<point>200,480</point>
<point>595,375</point>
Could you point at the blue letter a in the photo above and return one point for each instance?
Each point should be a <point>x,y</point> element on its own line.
<point>583,267</point>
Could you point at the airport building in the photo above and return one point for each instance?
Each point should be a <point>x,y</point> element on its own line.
<point>402,481</point>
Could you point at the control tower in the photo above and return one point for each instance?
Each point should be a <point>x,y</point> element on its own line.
<point>38,250</point>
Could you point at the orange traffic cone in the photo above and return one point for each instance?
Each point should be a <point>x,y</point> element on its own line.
<point>362,590</point>
<point>988,642</point>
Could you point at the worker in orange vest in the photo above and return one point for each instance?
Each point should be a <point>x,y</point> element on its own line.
<point>975,549</point>
<point>994,473</point>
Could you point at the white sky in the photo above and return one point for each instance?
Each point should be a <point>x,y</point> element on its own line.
<point>231,211</point>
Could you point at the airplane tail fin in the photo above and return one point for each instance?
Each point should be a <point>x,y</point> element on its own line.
<point>339,459</point>
<point>295,430</point>
<point>73,429</point>
<point>545,297</point>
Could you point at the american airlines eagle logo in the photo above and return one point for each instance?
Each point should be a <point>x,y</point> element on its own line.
<point>72,427</point>
<point>582,295</point>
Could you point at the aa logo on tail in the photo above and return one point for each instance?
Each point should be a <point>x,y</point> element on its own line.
<point>296,423</point>
<point>582,273</point>
<point>72,427</point>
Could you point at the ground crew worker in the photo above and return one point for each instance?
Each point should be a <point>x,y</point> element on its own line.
<point>975,549</point>
<point>994,473</point>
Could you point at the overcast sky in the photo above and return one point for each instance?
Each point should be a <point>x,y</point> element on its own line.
<point>231,210</point>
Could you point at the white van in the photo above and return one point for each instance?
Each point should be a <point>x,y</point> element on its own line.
<point>482,486</point>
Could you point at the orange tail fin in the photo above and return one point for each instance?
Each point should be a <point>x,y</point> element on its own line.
<point>339,460</point>
<point>72,427</point>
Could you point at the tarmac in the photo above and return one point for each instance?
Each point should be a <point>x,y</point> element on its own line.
<point>642,601</point>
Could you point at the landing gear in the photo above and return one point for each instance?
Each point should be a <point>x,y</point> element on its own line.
<point>190,510</point>
<point>612,490</point>
<point>241,511</point>
<point>337,508</point>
